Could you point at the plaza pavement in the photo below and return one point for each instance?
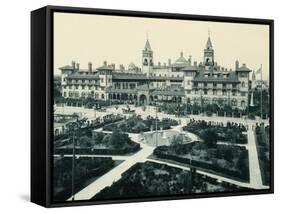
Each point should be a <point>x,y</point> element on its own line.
<point>115,174</point>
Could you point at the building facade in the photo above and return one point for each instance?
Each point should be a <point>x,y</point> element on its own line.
<point>182,81</point>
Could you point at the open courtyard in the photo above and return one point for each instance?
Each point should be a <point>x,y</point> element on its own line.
<point>178,140</point>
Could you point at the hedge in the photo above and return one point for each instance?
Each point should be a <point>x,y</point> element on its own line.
<point>204,165</point>
<point>90,151</point>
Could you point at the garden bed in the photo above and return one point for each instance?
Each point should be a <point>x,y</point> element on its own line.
<point>263,147</point>
<point>101,144</point>
<point>153,179</point>
<point>231,133</point>
<point>87,170</point>
<point>226,160</point>
<point>136,124</point>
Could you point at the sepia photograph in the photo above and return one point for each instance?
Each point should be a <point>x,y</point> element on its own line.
<point>149,107</point>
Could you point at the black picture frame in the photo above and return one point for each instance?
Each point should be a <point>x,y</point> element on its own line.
<point>42,108</point>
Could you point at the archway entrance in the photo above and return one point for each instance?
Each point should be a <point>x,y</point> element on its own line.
<point>143,100</point>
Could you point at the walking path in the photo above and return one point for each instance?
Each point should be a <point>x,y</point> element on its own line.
<point>114,157</point>
<point>254,166</point>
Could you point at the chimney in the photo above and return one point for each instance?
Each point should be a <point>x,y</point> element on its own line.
<point>77,66</point>
<point>236,64</point>
<point>169,62</point>
<point>181,54</point>
<point>105,63</point>
<point>121,67</point>
<point>195,63</point>
<point>90,67</point>
<point>113,66</point>
<point>159,63</point>
<point>73,65</point>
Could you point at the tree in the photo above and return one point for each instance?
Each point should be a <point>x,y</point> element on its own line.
<point>85,141</point>
<point>118,140</point>
<point>106,139</point>
<point>98,137</point>
<point>139,127</point>
<point>176,143</point>
<point>209,137</point>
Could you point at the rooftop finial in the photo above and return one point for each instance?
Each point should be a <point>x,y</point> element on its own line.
<point>147,45</point>
<point>209,43</point>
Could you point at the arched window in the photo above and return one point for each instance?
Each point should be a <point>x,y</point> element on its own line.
<point>234,102</point>
<point>243,104</point>
<point>145,62</point>
<point>102,96</point>
<point>243,84</point>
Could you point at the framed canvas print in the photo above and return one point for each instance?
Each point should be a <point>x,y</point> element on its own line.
<point>134,106</point>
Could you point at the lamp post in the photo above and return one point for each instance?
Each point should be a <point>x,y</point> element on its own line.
<point>73,128</point>
<point>156,124</point>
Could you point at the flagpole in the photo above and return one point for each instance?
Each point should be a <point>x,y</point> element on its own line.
<point>261,91</point>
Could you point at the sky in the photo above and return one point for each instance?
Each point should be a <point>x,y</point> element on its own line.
<point>97,38</point>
